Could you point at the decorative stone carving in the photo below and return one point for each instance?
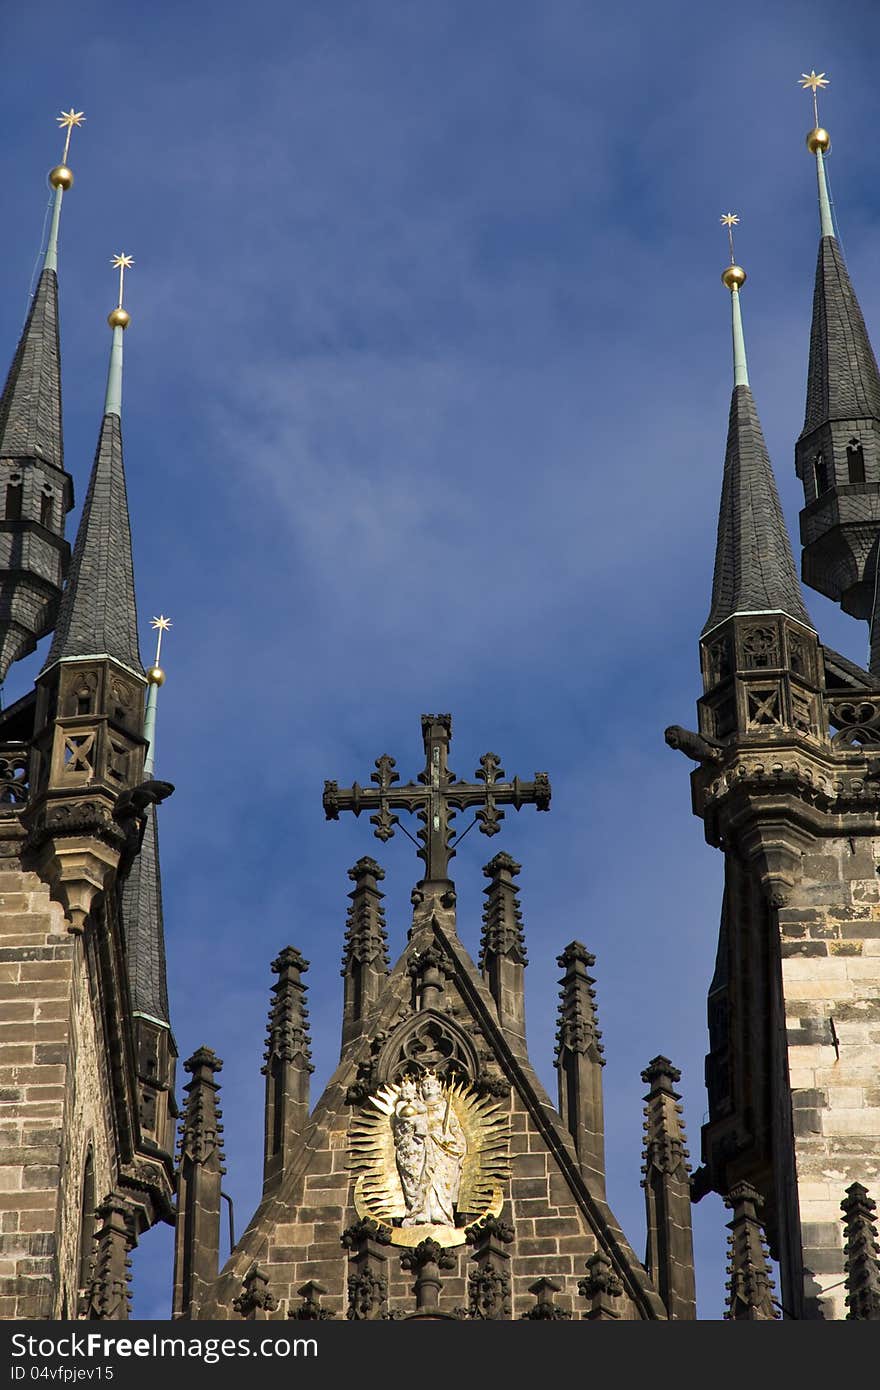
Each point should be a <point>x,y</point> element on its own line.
<point>750,1284</point>
<point>13,775</point>
<point>545,1306</point>
<point>255,1298</point>
<point>862,1255</point>
<point>367,1242</point>
<point>426,1261</point>
<point>310,1310</point>
<point>760,647</point>
<point>601,1288</point>
<point>695,746</point>
<point>429,1041</point>
<point>489,1283</point>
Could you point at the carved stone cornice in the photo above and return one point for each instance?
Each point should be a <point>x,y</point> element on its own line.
<point>771,804</point>
<point>808,783</point>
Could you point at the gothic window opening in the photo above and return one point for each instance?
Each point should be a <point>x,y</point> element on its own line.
<point>87,1222</point>
<point>855,461</point>
<point>46,510</point>
<point>14,491</point>
<point>820,469</point>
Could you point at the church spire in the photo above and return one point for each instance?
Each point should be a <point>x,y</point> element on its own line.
<point>35,492</point>
<point>837,455</point>
<point>30,408</point>
<point>97,616</point>
<point>754,568</point>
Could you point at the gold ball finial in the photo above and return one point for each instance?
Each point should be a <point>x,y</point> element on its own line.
<point>156,676</point>
<point>61,177</point>
<point>818,139</point>
<point>733,277</point>
<point>119,317</point>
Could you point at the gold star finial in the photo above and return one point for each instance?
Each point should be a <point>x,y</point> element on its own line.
<point>813,81</point>
<point>730,220</point>
<point>159,626</point>
<point>67,120</point>
<point>122,264</point>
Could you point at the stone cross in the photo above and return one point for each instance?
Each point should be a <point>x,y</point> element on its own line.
<point>436,797</point>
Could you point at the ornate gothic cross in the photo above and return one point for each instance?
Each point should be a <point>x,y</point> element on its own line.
<point>436,797</point>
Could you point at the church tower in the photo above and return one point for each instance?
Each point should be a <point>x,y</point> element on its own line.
<point>787,789</point>
<point>87,1060</point>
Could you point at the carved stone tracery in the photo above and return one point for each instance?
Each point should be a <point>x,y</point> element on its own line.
<point>429,1041</point>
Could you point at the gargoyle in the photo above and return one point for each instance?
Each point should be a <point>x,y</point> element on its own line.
<point>130,812</point>
<point>696,746</point>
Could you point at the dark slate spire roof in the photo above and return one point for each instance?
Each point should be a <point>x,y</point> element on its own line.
<point>144,928</point>
<point>754,568</point>
<point>97,616</point>
<point>842,380</point>
<point>30,408</point>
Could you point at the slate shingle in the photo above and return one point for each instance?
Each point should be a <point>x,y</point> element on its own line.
<point>144,928</point>
<point>842,379</point>
<point>30,407</point>
<point>754,568</point>
<point>97,616</point>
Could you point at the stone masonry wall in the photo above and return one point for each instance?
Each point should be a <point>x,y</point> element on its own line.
<point>51,1100</point>
<point>552,1236</point>
<point>830,948</point>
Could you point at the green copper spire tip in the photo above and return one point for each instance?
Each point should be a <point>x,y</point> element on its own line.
<point>825,219</point>
<point>740,365</point>
<point>150,729</point>
<point>50,260</point>
<point>113,397</point>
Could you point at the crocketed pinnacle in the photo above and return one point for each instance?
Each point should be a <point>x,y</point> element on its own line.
<point>30,407</point>
<point>200,1129</point>
<point>578,1030</point>
<point>98,616</point>
<point>842,378</point>
<point>750,1285</point>
<point>288,1030</point>
<point>754,567</point>
<point>664,1129</point>
<point>502,916</point>
<point>862,1255</point>
<point>366,938</point>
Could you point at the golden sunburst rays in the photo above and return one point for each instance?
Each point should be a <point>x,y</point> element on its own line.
<point>68,121</point>
<point>485,1167</point>
<point>814,82</point>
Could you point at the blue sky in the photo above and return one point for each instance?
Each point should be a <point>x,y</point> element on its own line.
<point>425,403</point>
